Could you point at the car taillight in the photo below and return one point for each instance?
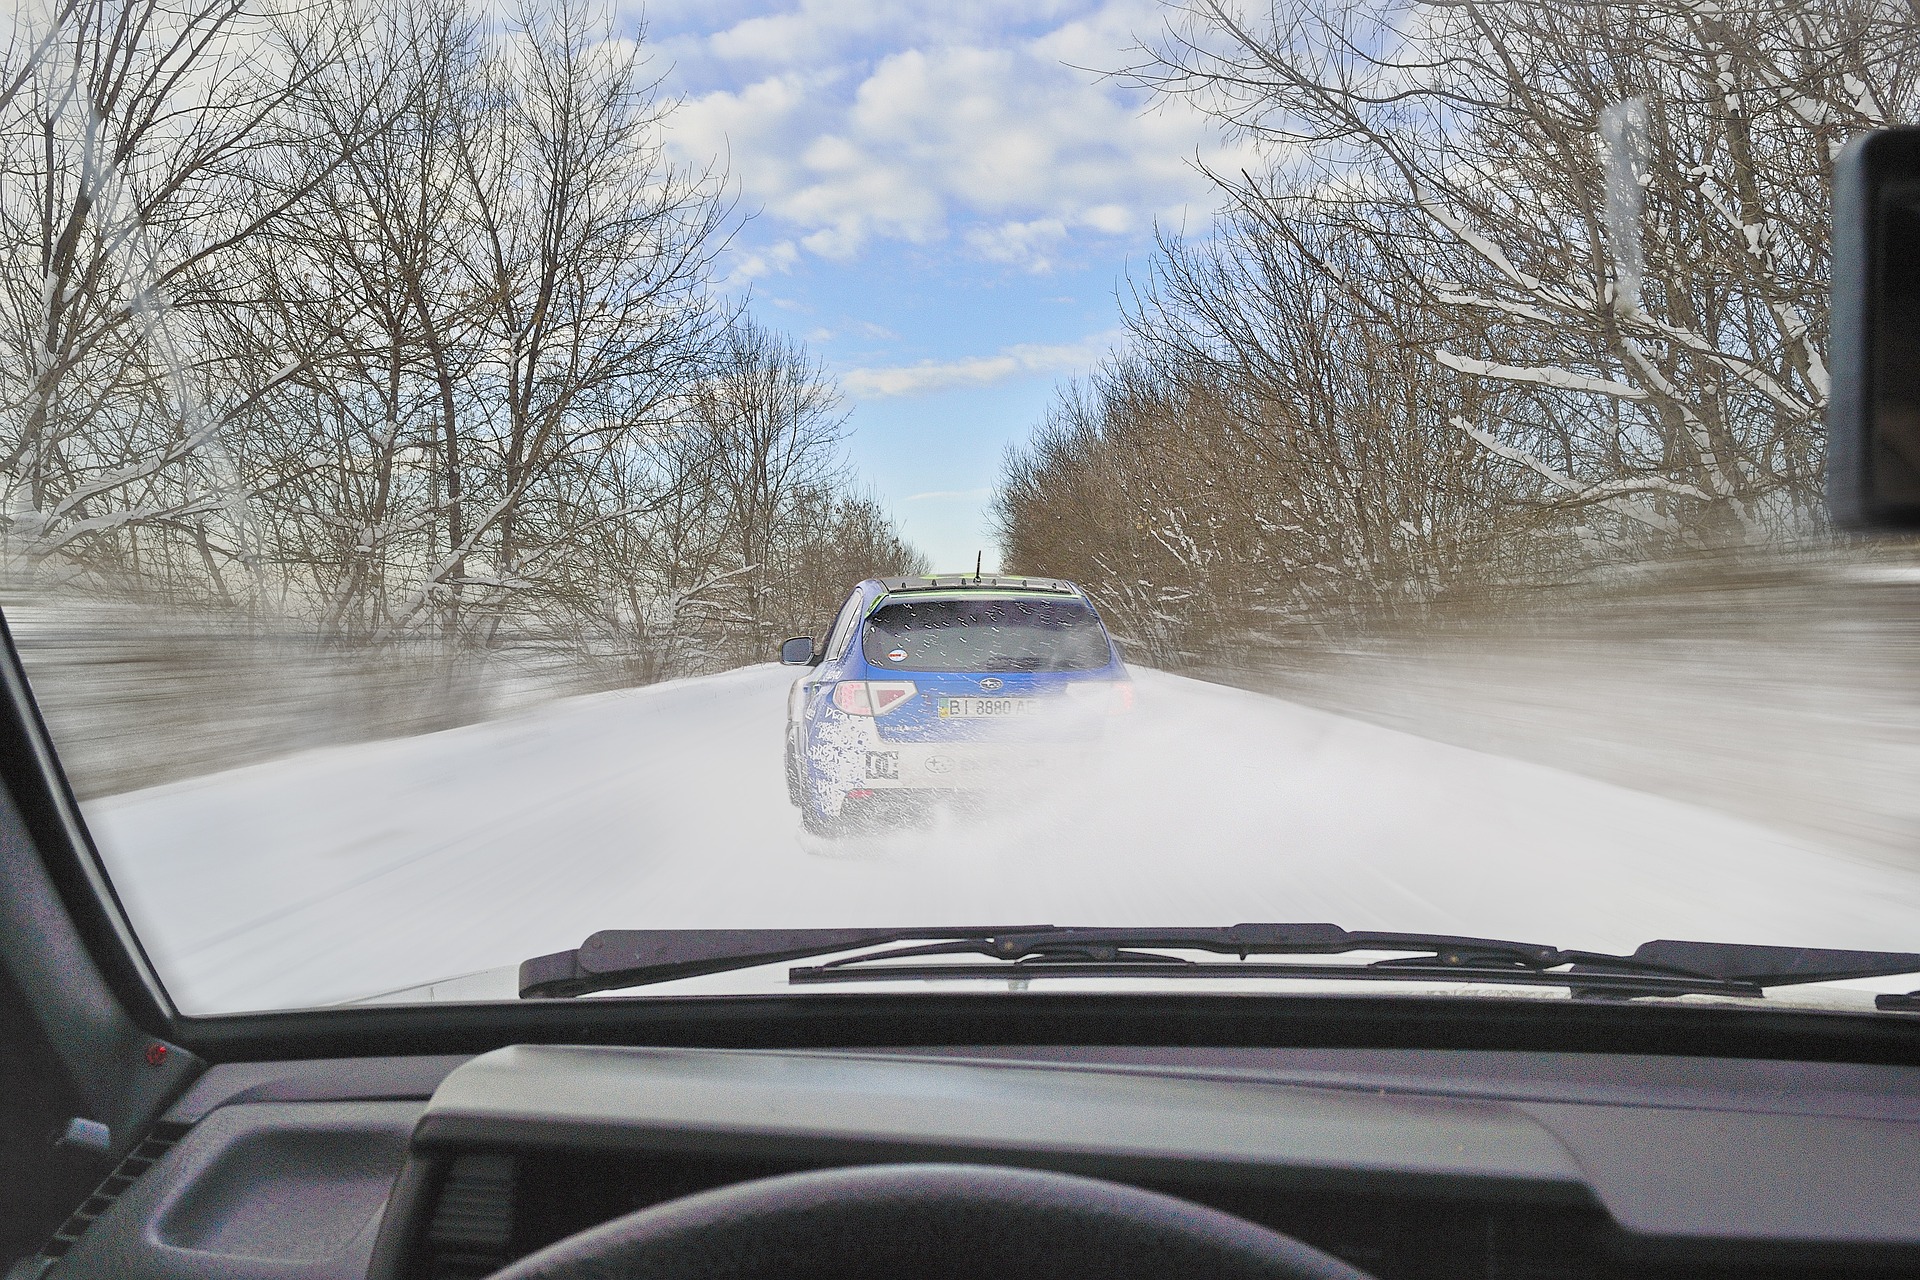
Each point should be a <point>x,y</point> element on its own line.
<point>871,697</point>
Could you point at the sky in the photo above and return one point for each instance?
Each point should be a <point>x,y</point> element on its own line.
<point>941,200</point>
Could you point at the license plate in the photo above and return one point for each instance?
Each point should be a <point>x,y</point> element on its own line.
<point>973,708</point>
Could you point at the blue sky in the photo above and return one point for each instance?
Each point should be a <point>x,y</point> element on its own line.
<point>945,198</point>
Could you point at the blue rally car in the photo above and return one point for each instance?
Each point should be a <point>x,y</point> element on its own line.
<point>932,689</point>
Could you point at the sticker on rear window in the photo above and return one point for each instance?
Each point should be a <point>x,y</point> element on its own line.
<point>896,655</point>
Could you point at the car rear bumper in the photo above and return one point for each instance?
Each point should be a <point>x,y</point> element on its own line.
<point>847,755</point>
<point>961,766</point>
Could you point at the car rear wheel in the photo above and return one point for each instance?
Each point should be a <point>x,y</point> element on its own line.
<point>814,816</point>
<point>820,824</point>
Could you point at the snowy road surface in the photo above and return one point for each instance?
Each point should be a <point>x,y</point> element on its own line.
<point>352,870</point>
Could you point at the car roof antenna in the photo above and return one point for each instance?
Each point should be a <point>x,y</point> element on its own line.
<point>978,556</point>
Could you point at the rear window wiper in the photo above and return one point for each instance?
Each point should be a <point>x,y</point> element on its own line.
<point>619,958</point>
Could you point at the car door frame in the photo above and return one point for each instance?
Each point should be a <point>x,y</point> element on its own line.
<point>82,1011</point>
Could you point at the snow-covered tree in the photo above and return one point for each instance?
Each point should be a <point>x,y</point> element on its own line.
<point>1620,208</point>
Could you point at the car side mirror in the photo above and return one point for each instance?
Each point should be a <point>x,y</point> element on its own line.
<point>1873,408</point>
<point>797,652</point>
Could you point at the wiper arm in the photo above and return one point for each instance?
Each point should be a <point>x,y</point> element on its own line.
<point>636,957</point>
<point>614,958</point>
<point>1773,966</point>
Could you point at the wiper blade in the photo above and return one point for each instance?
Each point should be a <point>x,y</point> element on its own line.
<point>635,957</point>
<point>615,958</point>
<point>1661,967</point>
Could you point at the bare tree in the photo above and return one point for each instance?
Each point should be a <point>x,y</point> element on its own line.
<point>396,322</point>
<point>1618,208</point>
<point>774,425</point>
<point>592,250</point>
<point>1270,459</point>
<point>134,142</point>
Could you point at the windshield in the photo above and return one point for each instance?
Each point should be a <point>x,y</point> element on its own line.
<point>1010,634</point>
<point>1346,464</point>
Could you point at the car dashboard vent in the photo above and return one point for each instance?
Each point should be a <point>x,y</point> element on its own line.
<point>473,1219</point>
<point>157,1143</point>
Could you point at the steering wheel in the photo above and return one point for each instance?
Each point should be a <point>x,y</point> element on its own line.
<point>929,1222</point>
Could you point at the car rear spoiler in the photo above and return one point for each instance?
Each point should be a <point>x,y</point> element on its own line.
<point>1057,586</point>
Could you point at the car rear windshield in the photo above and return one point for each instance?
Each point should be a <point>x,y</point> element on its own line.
<point>995,634</point>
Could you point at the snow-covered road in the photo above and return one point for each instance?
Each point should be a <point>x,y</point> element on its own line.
<point>351,870</point>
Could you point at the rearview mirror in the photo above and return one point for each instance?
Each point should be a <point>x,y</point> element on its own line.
<point>1873,410</point>
<point>797,652</point>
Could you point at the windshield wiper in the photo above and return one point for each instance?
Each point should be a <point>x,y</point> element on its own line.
<point>614,958</point>
<point>1662,967</point>
<point>618,958</point>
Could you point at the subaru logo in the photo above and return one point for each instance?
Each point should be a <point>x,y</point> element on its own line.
<point>991,683</point>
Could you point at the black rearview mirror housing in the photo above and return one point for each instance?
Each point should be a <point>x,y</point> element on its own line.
<point>797,652</point>
<point>1873,408</point>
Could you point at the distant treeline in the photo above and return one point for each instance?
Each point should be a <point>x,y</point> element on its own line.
<point>395,320</point>
<point>1517,293</point>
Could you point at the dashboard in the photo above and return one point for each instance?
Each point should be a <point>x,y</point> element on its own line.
<point>1405,1163</point>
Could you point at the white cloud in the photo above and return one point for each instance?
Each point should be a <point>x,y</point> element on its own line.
<point>811,32</point>
<point>1028,244</point>
<point>851,121</point>
<point>775,259</point>
<point>976,371</point>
